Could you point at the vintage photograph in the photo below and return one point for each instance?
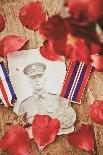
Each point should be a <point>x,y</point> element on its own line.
<point>34,81</point>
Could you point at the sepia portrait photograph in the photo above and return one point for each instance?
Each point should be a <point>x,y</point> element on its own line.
<point>40,82</point>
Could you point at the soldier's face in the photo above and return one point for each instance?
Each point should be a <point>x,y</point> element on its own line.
<point>38,82</point>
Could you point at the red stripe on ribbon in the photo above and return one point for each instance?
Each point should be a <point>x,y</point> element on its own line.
<point>4,93</point>
<point>74,83</point>
<point>84,82</point>
<point>67,78</point>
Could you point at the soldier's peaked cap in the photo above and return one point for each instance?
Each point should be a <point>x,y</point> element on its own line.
<point>35,69</point>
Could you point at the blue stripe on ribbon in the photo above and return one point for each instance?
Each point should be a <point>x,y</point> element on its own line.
<point>79,82</point>
<point>8,82</point>
<point>72,79</point>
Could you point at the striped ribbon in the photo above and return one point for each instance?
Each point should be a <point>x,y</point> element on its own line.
<point>7,94</point>
<point>75,81</point>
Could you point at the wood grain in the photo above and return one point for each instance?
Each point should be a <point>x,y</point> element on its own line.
<point>10,9</point>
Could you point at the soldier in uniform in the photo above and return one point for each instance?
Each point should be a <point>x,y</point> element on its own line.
<point>42,102</point>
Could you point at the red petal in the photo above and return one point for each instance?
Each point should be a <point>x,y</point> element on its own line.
<point>83,12</point>
<point>96,112</point>
<point>97,62</point>
<point>49,53</point>
<point>44,130</point>
<point>2,23</point>
<point>10,44</point>
<point>59,45</point>
<point>16,141</point>
<point>71,47</point>
<point>54,28</point>
<point>77,49</point>
<point>32,15</point>
<point>83,138</point>
<point>95,48</point>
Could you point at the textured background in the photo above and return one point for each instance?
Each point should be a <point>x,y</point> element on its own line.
<point>10,9</point>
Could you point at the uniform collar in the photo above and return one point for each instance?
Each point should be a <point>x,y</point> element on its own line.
<point>40,94</point>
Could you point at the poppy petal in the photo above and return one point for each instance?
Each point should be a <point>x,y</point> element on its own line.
<point>32,15</point>
<point>97,62</point>
<point>95,48</point>
<point>10,44</point>
<point>74,48</point>
<point>16,141</point>
<point>49,53</point>
<point>2,23</point>
<point>96,112</point>
<point>54,28</point>
<point>83,12</point>
<point>44,130</point>
<point>59,45</point>
<point>77,49</point>
<point>83,138</point>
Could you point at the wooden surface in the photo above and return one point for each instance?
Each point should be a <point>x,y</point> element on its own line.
<point>10,9</point>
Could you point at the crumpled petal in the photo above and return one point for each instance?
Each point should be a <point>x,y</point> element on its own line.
<point>77,49</point>
<point>44,130</point>
<point>70,40</point>
<point>32,15</point>
<point>11,43</point>
<point>83,138</point>
<point>97,62</point>
<point>83,12</point>
<point>54,28</point>
<point>2,23</point>
<point>96,112</point>
<point>49,53</point>
<point>59,46</point>
<point>71,47</point>
<point>16,141</point>
<point>74,48</point>
<point>95,48</point>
